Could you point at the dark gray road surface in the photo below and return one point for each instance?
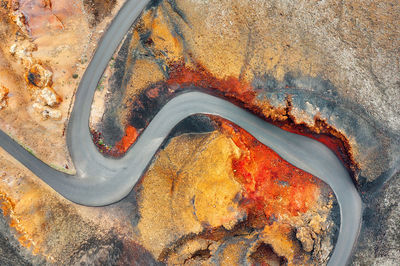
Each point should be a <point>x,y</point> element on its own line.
<point>100,181</point>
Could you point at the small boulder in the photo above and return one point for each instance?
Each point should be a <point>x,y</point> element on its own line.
<point>39,76</point>
<point>49,97</point>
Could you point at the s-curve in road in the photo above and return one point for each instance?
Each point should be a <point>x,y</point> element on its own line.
<point>100,181</point>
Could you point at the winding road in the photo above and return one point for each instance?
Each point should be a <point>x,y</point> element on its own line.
<point>100,181</point>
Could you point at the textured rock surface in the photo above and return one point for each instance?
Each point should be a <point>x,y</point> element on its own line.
<point>380,245</point>
<point>45,48</point>
<point>191,207</point>
<point>326,69</point>
<point>319,65</point>
<point>304,62</point>
<point>39,227</point>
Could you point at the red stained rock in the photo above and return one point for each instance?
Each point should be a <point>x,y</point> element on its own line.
<point>271,184</point>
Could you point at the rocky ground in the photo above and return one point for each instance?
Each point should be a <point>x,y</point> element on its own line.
<point>45,49</point>
<point>325,69</point>
<point>207,211</point>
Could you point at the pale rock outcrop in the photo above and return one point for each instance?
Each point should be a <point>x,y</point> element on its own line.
<point>3,97</point>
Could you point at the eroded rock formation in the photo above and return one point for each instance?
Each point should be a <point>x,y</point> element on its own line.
<point>213,194</point>
<point>45,48</point>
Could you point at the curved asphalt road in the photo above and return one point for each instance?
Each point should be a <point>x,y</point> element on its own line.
<point>100,181</point>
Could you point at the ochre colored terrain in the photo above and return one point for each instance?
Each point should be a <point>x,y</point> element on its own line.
<point>227,189</point>
<point>230,184</point>
<point>193,203</point>
<point>164,61</point>
<point>286,208</point>
<point>46,46</point>
<point>56,231</point>
<point>181,77</point>
<point>217,197</point>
